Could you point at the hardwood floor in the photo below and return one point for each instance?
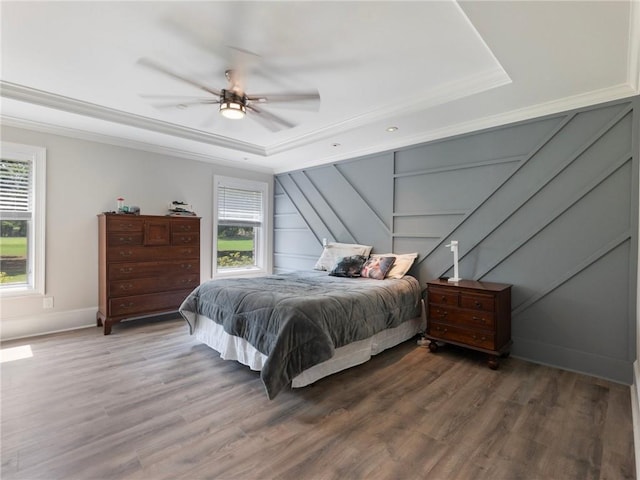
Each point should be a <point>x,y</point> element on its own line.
<point>149,402</point>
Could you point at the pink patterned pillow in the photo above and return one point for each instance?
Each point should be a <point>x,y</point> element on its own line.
<point>377,267</point>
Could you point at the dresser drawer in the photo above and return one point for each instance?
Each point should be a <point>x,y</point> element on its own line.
<point>471,318</point>
<point>124,223</point>
<point>124,238</point>
<point>477,301</point>
<point>136,286</point>
<point>476,338</point>
<point>128,270</point>
<point>185,239</point>
<point>184,226</point>
<point>135,253</point>
<point>443,296</point>
<point>147,304</point>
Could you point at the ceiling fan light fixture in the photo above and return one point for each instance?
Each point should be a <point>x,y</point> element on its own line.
<point>233,110</point>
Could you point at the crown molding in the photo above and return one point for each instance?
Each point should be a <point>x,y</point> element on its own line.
<point>449,92</point>
<point>633,66</point>
<point>126,143</point>
<point>79,107</point>
<point>617,92</point>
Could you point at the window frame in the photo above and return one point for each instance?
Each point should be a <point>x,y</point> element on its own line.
<point>36,234</point>
<point>260,245</point>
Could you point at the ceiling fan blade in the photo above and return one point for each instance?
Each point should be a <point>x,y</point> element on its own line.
<point>269,120</point>
<point>284,97</point>
<point>159,68</point>
<point>183,105</point>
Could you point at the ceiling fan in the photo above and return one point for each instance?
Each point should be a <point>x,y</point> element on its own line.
<point>234,102</point>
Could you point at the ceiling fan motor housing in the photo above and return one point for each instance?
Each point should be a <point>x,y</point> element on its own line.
<point>232,105</point>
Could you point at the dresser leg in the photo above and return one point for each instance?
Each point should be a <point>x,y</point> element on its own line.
<point>493,362</point>
<point>107,327</point>
<point>433,346</point>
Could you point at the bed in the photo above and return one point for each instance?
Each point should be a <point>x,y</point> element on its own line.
<point>298,327</point>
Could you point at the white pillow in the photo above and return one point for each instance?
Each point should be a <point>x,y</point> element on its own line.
<point>333,252</point>
<point>402,264</point>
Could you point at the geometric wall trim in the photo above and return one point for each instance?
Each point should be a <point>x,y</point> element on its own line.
<point>548,205</point>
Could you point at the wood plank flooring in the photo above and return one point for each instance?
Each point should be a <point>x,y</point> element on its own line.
<point>150,402</point>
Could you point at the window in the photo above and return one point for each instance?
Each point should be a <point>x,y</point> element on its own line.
<point>239,226</point>
<point>22,226</point>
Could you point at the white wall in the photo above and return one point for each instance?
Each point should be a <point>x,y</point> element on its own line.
<point>84,178</point>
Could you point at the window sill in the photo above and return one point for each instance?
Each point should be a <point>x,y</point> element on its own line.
<point>16,292</point>
<point>240,272</point>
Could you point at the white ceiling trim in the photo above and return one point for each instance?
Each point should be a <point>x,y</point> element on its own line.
<point>451,91</point>
<point>124,142</point>
<point>66,104</point>
<point>633,67</point>
<point>549,108</point>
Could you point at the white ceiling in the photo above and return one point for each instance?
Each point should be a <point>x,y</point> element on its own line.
<point>430,68</point>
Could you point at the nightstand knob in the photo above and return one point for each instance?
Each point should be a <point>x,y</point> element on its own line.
<point>478,304</point>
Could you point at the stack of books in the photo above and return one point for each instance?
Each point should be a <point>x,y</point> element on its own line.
<point>181,209</point>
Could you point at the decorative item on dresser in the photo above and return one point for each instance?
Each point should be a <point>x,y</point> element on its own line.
<point>147,265</point>
<point>470,314</point>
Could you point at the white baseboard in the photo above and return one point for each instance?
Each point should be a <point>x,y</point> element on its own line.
<point>32,325</point>
<point>635,411</point>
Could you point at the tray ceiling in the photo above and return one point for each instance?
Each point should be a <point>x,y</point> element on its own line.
<point>431,69</point>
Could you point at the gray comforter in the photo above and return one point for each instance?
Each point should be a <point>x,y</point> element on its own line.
<point>298,319</point>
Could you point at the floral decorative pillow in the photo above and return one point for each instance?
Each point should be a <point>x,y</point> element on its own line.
<point>377,267</point>
<point>349,266</point>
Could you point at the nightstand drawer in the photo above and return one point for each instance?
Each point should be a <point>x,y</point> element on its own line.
<point>443,296</point>
<point>471,318</point>
<point>465,336</point>
<point>477,302</point>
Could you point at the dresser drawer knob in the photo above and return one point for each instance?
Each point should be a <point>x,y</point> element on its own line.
<point>126,305</point>
<point>479,319</point>
<point>128,286</point>
<point>126,270</point>
<point>186,266</point>
<point>443,298</point>
<point>186,240</point>
<point>126,239</point>
<point>126,254</point>
<point>478,304</point>
<point>442,313</point>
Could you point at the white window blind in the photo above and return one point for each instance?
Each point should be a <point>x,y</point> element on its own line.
<point>16,194</point>
<point>238,207</point>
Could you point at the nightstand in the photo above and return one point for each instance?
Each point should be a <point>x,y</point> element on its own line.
<point>470,314</point>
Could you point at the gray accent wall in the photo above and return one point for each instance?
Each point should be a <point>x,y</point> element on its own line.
<point>548,205</point>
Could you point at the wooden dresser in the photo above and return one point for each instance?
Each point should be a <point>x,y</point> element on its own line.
<point>147,265</point>
<point>470,314</point>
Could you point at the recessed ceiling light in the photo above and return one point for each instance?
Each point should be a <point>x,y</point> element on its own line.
<point>392,129</point>
<point>335,144</point>
<point>181,106</point>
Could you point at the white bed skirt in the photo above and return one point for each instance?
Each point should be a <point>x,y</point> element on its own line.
<point>235,348</point>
